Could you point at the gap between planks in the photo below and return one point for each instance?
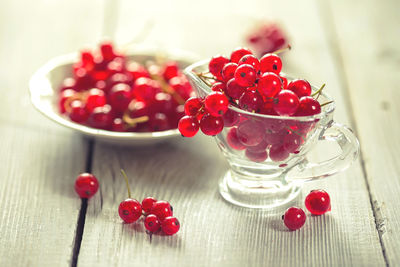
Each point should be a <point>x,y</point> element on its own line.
<point>332,36</point>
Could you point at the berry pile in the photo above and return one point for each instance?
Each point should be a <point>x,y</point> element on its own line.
<point>266,38</point>
<point>256,86</point>
<point>317,202</point>
<point>109,92</point>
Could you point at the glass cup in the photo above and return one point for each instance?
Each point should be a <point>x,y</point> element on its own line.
<point>267,154</point>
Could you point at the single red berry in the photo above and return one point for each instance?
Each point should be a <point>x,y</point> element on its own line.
<point>300,87</point>
<point>137,70</point>
<point>86,185</point>
<point>261,147</point>
<point>275,138</point>
<point>286,103</point>
<point>233,140</point>
<point>159,122</point>
<point>107,51</point>
<point>130,210</point>
<point>228,72</point>
<point>188,126</point>
<point>120,96</point>
<point>193,106</point>
<point>238,53</point>
<point>294,218</point>
<point>269,84</point>
<point>234,90</point>
<point>251,101</point>
<point>170,70</point>
<point>231,118</point>
<point>308,106</point>
<point>245,75</point>
<point>218,87</point>
<point>78,111</point>
<point>161,209</point>
<point>278,153</point>
<point>152,223</point>
<point>318,202</point>
<point>211,125</point>
<point>145,89</point>
<point>118,125</point>
<point>101,118</point>
<point>250,60</point>
<point>216,65</point>
<point>256,156</point>
<point>147,203</point>
<point>271,63</point>
<point>250,133</point>
<point>170,225</point>
<point>216,103</point>
<point>292,142</point>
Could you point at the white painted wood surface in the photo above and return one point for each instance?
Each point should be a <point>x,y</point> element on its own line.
<point>39,215</point>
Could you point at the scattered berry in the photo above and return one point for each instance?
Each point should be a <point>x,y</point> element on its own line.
<point>294,218</point>
<point>318,202</point>
<point>86,185</point>
<point>170,225</point>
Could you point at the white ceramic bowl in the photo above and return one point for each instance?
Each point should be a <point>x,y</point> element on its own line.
<point>45,83</point>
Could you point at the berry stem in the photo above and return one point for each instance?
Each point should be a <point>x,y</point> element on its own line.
<point>318,92</point>
<point>132,122</point>
<point>327,103</point>
<point>77,96</point>
<point>168,89</point>
<point>204,78</point>
<point>281,50</point>
<point>127,182</point>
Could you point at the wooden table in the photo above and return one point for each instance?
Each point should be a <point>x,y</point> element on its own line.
<point>353,46</point>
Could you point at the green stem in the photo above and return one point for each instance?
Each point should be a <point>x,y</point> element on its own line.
<point>319,90</point>
<point>127,183</point>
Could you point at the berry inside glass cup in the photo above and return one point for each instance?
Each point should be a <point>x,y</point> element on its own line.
<point>267,154</point>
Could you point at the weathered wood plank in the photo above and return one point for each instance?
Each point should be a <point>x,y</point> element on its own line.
<point>186,172</point>
<point>39,159</point>
<point>366,34</point>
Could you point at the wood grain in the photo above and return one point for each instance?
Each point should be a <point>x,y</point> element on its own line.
<point>186,172</point>
<point>39,159</point>
<point>368,59</point>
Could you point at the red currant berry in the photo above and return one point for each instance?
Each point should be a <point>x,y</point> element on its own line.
<point>86,185</point>
<point>137,71</point>
<point>318,202</point>
<point>96,98</point>
<point>231,118</point>
<point>262,146</point>
<point>250,60</point>
<point>238,53</point>
<point>188,126</point>
<point>286,103</point>
<point>216,65</point>
<point>234,90</point>
<point>278,153</point>
<point>269,84</point>
<point>308,106</point>
<point>233,140</point>
<point>118,125</point>
<point>193,105</point>
<point>251,101</point>
<point>245,75</point>
<point>107,51</point>
<point>170,225</point>
<point>159,122</point>
<point>300,88</point>
<point>216,103</point>
<point>170,70</point>
<point>152,223</point>
<point>145,89</point>
<point>130,210</point>
<point>294,218</point>
<point>271,63</point>
<point>101,118</point>
<point>211,125</point>
<point>161,209</point>
<point>256,156</point>
<point>250,133</point>
<point>120,96</point>
<point>64,96</point>
<point>228,72</point>
<point>292,142</point>
<point>218,87</point>
<point>147,203</point>
<point>78,112</point>
<point>275,138</point>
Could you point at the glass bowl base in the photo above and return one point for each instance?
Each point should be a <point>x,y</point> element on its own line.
<point>268,194</point>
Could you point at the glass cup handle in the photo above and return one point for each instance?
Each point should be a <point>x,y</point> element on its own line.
<point>349,145</point>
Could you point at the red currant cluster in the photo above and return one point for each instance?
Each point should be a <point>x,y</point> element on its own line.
<point>317,202</point>
<point>266,38</point>
<point>158,214</point>
<point>107,91</point>
<point>256,86</point>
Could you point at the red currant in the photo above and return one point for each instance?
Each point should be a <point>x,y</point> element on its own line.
<point>269,84</point>
<point>64,96</point>
<point>231,118</point>
<point>170,70</point>
<point>130,210</point>
<point>188,126</point>
<point>118,125</point>
<point>251,101</point>
<point>278,153</point>
<point>245,75</point>
<point>250,133</point>
<point>152,223</point>
<point>286,103</point>
<point>120,96</point>
<point>78,111</point>
<point>294,218</point>
<point>292,142</point>
<point>218,87</point>
<point>233,140</point>
<point>228,72</point>
<point>234,90</point>
<point>107,51</point>
<point>216,65</point>
<point>271,63</point>
<point>101,118</point>
<point>216,103</point>
<point>159,122</point>
<point>238,53</point>
<point>300,87</point>
<point>256,156</point>
<point>211,125</point>
<point>250,60</point>
<point>170,225</point>
<point>318,202</point>
<point>86,185</point>
<point>147,203</point>
<point>308,106</point>
<point>161,209</point>
<point>193,105</point>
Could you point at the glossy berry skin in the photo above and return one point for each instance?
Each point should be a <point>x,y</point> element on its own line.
<point>130,210</point>
<point>211,125</point>
<point>238,53</point>
<point>250,133</point>
<point>120,96</point>
<point>231,118</point>
<point>300,87</point>
<point>170,70</point>
<point>101,118</point>
<point>245,75</point>
<point>188,126</point>
<point>294,218</point>
<point>269,84</point>
<point>286,103</point>
<point>233,140</point>
<point>234,90</point>
<point>86,185</point>
<point>278,153</point>
<point>250,60</point>
<point>216,65</point>
<point>118,125</point>
<point>318,202</point>
<point>251,101</point>
<point>271,63</point>
<point>96,98</point>
<point>216,103</point>
<point>308,106</point>
<point>78,112</point>
<point>170,225</point>
<point>152,223</point>
<point>292,142</point>
<point>228,72</point>
<point>161,209</point>
<point>147,203</point>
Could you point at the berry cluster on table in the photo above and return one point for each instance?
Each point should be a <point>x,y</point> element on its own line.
<point>109,91</point>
